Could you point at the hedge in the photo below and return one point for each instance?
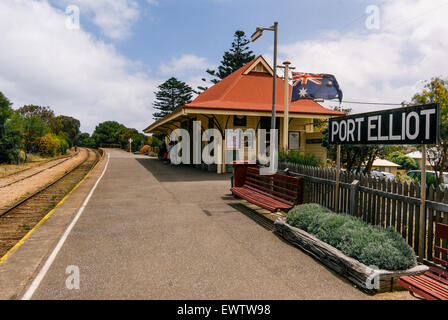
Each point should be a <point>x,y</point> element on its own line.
<point>370,245</point>
<point>299,158</point>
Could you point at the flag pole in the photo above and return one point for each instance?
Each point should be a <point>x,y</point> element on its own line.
<point>274,89</point>
<point>286,67</point>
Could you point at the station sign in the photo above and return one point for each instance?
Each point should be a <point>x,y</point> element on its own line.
<point>410,125</point>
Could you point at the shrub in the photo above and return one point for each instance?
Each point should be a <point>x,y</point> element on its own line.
<point>296,157</point>
<point>51,145</point>
<point>371,245</point>
<point>63,145</point>
<point>48,145</point>
<point>145,149</point>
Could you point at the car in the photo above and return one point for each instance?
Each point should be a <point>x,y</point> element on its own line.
<point>430,177</point>
<point>382,175</point>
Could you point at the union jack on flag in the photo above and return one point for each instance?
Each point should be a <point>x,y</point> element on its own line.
<point>315,86</point>
<point>303,78</point>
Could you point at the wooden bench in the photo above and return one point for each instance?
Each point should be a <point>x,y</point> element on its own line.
<point>432,285</point>
<point>274,193</point>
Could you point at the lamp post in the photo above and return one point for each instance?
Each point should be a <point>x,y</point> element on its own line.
<point>287,67</point>
<point>257,34</point>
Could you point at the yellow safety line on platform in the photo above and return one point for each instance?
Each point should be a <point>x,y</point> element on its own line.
<point>18,244</point>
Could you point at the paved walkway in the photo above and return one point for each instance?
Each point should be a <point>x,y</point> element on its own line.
<point>154,231</point>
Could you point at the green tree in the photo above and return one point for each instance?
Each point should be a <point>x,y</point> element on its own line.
<point>10,132</point>
<point>405,162</point>
<point>108,132</point>
<point>153,141</point>
<point>85,140</point>
<point>66,126</point>
<point>238,56</point>
<point>33,129</point>
<point>5,113</point>
<point>13,142</point>
<point>138,139</point>
<point>45,114</point>
<point>171,95</point>
<point>352,157</point>
<point>436,90</point>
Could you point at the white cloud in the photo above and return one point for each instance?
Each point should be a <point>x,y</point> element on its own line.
<point>385,65</point>
<point>44,63</point>
<point>185,64</point>
<point>114,18</point>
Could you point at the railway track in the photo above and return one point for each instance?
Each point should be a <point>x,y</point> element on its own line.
<point>18,220</point>
<point>37,172</point>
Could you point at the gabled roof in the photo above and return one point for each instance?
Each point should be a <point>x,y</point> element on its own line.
<point>430,153</point>
<point>250,88</point>
<point>384,163</point>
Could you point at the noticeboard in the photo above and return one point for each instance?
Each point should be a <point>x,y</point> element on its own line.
<point>294,140</point>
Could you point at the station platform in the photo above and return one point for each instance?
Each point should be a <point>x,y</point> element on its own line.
<point>156,231</point>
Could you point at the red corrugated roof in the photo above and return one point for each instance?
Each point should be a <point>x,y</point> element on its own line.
<point>253,92</point>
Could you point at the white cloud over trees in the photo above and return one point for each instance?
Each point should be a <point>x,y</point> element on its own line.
<point>42,62</point>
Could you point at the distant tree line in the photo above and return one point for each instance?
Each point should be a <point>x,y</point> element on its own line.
<point>112,133</point>
<point>33,129</point>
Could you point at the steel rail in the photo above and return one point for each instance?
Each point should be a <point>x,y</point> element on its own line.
<point>19,203</point>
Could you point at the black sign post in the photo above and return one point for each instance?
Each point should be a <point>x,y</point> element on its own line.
<point>411,125</point>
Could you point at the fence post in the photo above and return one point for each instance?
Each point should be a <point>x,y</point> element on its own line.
<point>421,249</point>
<point>353,206</point>
<point>338,178</point>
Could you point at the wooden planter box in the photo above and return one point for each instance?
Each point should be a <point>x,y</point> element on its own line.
<point>358,273</point>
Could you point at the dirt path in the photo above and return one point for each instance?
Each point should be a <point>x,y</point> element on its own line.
<point>10,194</point>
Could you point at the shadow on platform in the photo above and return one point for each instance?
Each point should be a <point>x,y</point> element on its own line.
<point>171,173</point>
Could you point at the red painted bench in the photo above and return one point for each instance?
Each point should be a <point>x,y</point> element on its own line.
<point>274,193</point>
<point>432,285</point>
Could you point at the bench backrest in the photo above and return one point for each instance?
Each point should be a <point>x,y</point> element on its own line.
<point>442,234</point>
<point>281,187</point>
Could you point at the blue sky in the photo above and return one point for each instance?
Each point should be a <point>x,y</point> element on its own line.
<point>109,68</point>
<point>205,27</point>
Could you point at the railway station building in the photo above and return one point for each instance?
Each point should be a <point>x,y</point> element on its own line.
<point>243,100</point>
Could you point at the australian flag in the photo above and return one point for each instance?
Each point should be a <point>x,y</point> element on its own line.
<point>315,86</point>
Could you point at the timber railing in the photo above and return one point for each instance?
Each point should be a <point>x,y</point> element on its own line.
<point>379,202</point>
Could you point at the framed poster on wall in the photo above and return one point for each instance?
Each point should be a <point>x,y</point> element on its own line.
<point>294,140</point>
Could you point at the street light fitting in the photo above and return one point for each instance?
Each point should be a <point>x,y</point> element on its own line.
<point>257,34</point>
